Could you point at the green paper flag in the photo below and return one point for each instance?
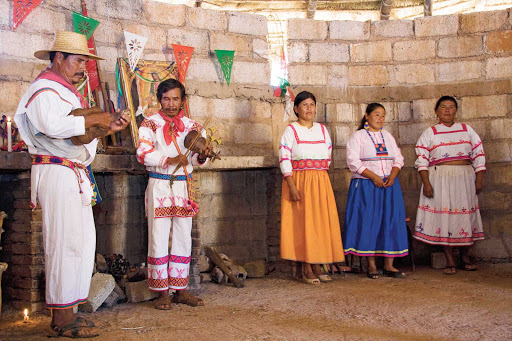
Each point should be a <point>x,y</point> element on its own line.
<point>225,58</point>
<point>84,24</point>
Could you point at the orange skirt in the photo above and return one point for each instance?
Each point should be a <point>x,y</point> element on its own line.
<point>310,228</point>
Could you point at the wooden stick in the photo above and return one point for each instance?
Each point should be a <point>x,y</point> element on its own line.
<point>215,258</point>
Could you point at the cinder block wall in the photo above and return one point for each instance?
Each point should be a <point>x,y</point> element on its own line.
<point>407,65</point>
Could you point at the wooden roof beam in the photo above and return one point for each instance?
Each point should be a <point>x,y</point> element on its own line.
<point>311,9</point>
<point>385,9</point>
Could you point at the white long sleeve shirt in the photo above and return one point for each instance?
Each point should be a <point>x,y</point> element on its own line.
<point>45,124</point>
<point>441,143</point>
<point>303,148</point>
<point>362,153</point>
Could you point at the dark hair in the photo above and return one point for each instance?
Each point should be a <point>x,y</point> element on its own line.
<point>302,96</point>
<point>53,53</point>
<point>369,109</point>
<point>169,85</point>
<point>446,98</point>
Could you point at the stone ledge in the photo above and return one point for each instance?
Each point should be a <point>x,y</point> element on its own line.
<point>21,161</point>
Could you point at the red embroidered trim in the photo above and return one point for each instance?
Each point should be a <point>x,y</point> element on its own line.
<point>451,143</point>
<point>285,147</point>
<point>310,164</point>
<point>465,240</point>
<point>449,132</point>
<point>307,142</point>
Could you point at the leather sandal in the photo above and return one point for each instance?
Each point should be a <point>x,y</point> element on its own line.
<point>74,330</point>
<point>450,270</point>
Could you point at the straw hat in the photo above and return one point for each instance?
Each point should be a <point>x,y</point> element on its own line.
<point>69,42</point>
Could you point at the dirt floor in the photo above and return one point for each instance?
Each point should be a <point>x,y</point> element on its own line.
<point>425,306</point>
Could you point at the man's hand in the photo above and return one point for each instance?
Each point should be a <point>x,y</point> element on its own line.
<point>205,152</point>
<point>120,120</point>
<point>180,160</point>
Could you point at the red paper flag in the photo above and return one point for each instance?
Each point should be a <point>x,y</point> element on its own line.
<point>183,55</point>
<point>92,69</point>
<point>21,9</point>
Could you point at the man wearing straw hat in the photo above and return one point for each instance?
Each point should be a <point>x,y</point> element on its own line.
<point>49,124</point>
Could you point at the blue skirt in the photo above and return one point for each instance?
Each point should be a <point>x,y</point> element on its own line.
<point>375,220</point>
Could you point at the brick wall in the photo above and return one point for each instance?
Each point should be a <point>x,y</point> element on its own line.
<point>407,65</point>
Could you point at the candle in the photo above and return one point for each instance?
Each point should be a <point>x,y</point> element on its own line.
<point>9,135</point>
<point>25,315</point>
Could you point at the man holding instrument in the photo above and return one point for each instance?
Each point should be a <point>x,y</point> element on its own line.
<point>170,194</point>
<point>61,135</point>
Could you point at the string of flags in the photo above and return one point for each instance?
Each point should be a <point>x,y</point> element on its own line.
<point>135,46</point>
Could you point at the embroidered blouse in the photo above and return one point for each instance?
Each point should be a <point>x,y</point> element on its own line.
<point>441,143</point>
<point>365,150</point>
<point>304,148</point>
<point>153,150</point>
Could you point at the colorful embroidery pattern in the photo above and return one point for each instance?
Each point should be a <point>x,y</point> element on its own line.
<point>44,90</point>
<point>158,261</point>
<point>180,259</point>
<point>155,283</point>
<point>149,124</point>
<point>168,177</point>
<point>178,282</point>
<point>448,211</point>
<point>173,211</point>
<point>310,164</point>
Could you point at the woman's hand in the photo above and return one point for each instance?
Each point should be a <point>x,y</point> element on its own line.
<point>294,194</point>
<point>479,182</point>
<point>389,181</point>
<point>377,181</point>
<point>428,191</point>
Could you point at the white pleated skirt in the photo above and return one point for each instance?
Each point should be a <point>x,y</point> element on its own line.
<point>452,216</point>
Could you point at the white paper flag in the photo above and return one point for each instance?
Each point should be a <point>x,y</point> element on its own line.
<point>134,45</point>
<point>288,109</point>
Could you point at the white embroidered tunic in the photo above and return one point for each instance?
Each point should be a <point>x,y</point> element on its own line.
<point>362,153</point>
<point>304,149</point>
<point>152,153</point>
<point>441,143</point>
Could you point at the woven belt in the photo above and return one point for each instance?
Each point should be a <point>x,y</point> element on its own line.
<point>55,160</point>
<point>168,177</point>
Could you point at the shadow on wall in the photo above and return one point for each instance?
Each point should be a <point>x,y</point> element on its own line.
<point>121,225</point>
<point>233,212</point>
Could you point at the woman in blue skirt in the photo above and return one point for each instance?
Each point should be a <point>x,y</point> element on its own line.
<point>375,216</point>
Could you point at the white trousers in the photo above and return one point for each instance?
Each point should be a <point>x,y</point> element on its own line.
<point>169,271</point>
<point>69,235</point>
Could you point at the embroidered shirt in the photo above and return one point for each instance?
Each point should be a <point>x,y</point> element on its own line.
<point>362,154</point>
<point>441,143</point>
<point>304,148</point>
<point>153,150</point>
<point>45,124</point>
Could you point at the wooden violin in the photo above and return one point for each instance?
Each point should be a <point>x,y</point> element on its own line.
<point>195,142</point>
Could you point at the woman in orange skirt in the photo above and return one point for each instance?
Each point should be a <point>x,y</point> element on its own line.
<point>310,229</point>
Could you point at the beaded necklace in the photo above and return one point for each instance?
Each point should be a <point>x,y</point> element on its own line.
<point>380,148</point>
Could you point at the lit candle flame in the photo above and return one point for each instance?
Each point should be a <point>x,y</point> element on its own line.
<point>25,313</point>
